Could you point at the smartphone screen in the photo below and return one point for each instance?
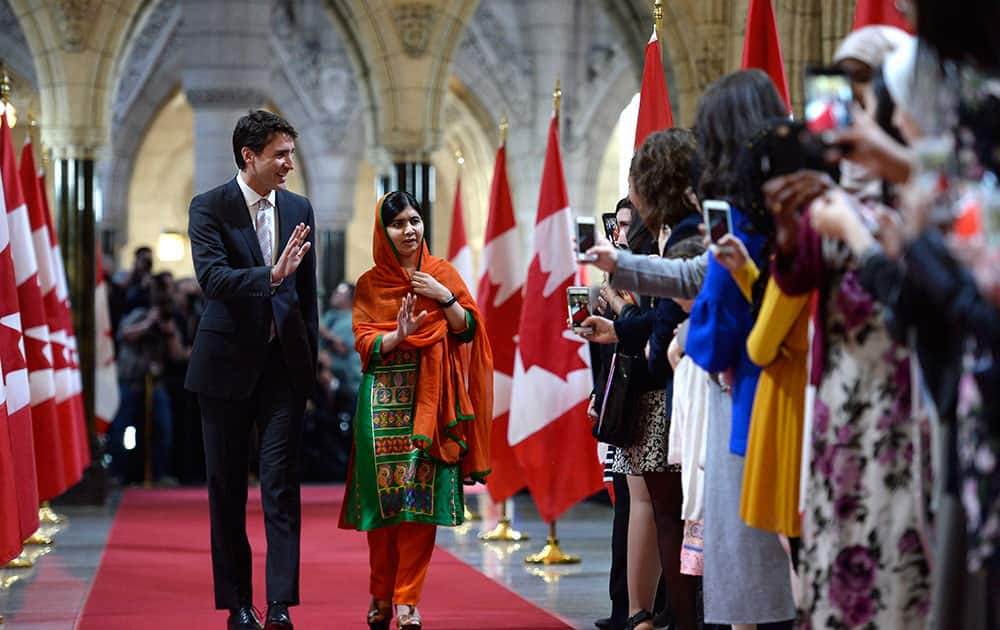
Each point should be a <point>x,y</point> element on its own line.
<point>578,302</point>
<point>585,236</point>
<point>828,100</point>
<point>610,220</point>
<point>717,219</point>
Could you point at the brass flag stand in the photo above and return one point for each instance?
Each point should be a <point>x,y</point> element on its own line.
<point>503,532</point>
<point>551,553</point>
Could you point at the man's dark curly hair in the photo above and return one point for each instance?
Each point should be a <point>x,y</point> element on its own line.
<point>660,173</point>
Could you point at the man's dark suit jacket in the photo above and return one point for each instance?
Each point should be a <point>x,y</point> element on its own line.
<point>231,344</point>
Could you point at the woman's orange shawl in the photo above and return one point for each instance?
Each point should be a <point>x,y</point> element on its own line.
<point>454,399</point>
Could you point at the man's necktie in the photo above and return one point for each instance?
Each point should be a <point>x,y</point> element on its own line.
<point>265,220</point>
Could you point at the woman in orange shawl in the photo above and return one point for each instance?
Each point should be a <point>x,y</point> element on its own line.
<point>422,424</point>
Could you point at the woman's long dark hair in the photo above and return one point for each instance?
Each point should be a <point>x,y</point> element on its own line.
<point>731,113</point>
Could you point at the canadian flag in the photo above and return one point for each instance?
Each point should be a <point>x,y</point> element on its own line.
<point>16,383</point>
<point>72,423</point>
<point>106,393</point>
<point>654,102</point>
<point>459,253</point>
<point>549,429</point>
<point>22,206</point>
<point>869,12</point>
<point>761,47</point>
<point>11,541</point>
<point>500,304</point>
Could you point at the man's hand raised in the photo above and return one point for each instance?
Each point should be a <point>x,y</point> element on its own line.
<point>292,255</point>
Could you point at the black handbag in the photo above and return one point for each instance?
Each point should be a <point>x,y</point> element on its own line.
<point>616,423</point>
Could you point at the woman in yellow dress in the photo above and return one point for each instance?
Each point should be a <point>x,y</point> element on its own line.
<point>778,343</point>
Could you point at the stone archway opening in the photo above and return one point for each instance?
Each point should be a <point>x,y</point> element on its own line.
<point>162,185</point>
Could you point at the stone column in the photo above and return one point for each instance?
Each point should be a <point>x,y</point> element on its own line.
<point>226,72</point>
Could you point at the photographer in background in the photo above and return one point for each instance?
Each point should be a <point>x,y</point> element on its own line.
<point>148,339</point>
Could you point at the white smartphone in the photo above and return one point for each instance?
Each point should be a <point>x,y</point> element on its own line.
<point>718,218</point>
<point>586,237</point>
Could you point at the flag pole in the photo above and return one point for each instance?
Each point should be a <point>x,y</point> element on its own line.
<point>46,515</point>
<point>467,514</point>
<point>551,553</point>
<point>658,18</point>
<point>503,531</point>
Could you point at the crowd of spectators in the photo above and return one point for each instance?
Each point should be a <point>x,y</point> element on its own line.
<point>154,319</point>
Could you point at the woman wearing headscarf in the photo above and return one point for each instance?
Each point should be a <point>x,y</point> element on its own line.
<point>859,56</point>
<point>421,428</point>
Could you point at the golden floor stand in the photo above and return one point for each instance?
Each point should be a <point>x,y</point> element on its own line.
<point>21,562</point>
<point>551,553</point>
<point>470,515</point>
<point>503,532</point>
<point>48,516</point>
<point>38,538</point>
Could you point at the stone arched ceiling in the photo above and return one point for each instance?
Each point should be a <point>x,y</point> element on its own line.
<point>402,51</point>
<point>75,47</point>
<point>311,82</point>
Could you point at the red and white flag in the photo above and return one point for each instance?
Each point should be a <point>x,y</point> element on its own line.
<point>654,101</point>
<point>11,541</point>
<point>762,48</point>
<point>459,252</point>
<point>106,392</point>
<point>22,210</point>
<point>500,304</point>
<point>869,12</point>
<point>72,422</point>
<point>549,429</point>
<point>16,383</point>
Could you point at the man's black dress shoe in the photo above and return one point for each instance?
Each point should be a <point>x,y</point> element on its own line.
<point>603,623</point>
<point>278,617</point>
<point>243,618</point>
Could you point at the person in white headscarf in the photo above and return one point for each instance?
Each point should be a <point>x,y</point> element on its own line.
<point>860,55</point>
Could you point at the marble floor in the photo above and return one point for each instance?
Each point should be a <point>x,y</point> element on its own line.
<point>51,594</point>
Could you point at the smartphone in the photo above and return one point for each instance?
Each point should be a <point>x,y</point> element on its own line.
<point>578,303</point>
<point>585,237</point>
<point>610,220</point>
<point>718,218</point>
<point>828,99</point>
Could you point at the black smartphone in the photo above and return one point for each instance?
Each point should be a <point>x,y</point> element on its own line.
<point>828,99</point>
<point>718,218</point>
<point>585,237</point>
<point>610,221</point>
<point>786,146</point>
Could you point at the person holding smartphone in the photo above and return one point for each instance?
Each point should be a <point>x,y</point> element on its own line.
<point>746,569</point>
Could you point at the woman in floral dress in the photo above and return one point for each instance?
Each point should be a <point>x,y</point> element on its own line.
<point>863,562</point>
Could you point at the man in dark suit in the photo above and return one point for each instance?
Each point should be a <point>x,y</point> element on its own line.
<point>253,360</point>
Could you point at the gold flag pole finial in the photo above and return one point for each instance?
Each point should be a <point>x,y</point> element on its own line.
<point>5,106</point>
<point>658,16</point>
<point>459,158</point>
<point>557,98</point>
<point>504,126</point>
<point>4,83</point>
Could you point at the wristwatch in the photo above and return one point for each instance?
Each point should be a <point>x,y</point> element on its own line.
<point>448,302</point>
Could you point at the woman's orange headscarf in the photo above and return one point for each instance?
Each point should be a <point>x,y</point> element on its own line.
<point>454,399</point>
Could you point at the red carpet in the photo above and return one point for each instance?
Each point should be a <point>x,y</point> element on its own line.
<point>156,572</point>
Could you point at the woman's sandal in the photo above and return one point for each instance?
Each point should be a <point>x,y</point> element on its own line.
<point>637,618</point>
<point>379,614</point>
<point>408,618</point>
